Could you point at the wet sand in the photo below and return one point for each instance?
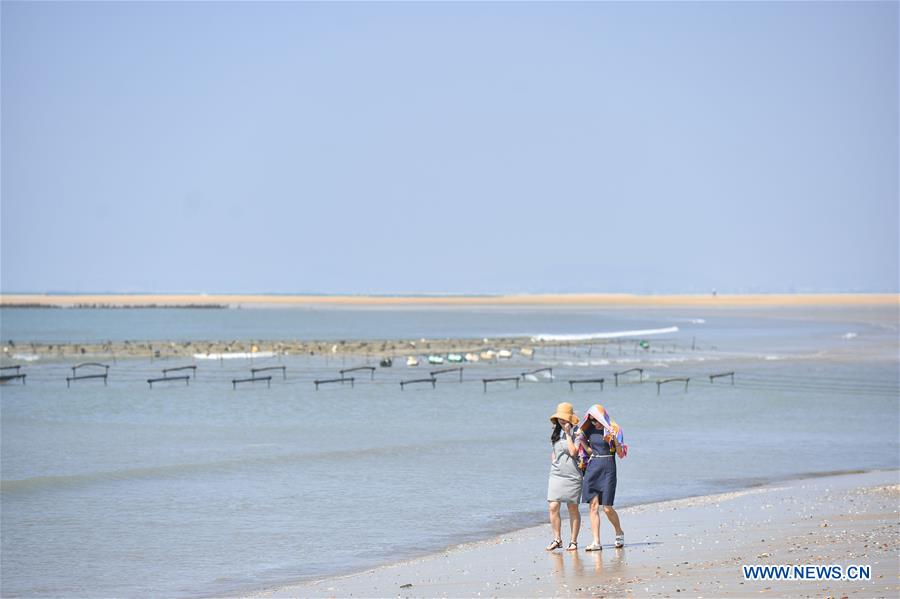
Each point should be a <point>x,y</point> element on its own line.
<point>690,547</point>
<point>574,299</point>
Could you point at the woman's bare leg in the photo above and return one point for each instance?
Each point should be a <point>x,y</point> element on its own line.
<point>574,521</point>
<point>613,518</point>
<point>555,523</point>
<point>595,518</point>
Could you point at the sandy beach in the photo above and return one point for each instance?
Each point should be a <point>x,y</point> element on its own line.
<point>689,547</point>
<point>574,299</point>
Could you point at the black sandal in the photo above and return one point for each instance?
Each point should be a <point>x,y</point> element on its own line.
<point>554,545</point>
<point>573,546</point>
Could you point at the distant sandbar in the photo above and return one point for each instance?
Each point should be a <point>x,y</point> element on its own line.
<point>575,299</point>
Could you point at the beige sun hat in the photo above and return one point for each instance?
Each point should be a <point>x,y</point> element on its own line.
<point>566,412</point>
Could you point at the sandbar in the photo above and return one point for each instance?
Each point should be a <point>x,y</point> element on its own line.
<point>534,300</point>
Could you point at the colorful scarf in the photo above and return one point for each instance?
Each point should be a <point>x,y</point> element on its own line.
<point>612,432</point>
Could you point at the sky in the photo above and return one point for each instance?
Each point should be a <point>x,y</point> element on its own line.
<point>449,147</point>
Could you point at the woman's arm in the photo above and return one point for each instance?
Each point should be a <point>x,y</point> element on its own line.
<point>586,444</point>
<point>573,449</point>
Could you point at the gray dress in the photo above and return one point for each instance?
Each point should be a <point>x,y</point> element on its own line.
<point>565,476</point>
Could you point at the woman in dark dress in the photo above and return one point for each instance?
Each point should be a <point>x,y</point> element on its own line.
<point>599,487</point>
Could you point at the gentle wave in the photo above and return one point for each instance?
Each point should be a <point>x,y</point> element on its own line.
<point>604,335</point>
<point>43,483</point>
<point>233,355</point>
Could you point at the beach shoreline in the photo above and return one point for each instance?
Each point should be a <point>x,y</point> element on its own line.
<point>845,519</point>
<point>524,300</point>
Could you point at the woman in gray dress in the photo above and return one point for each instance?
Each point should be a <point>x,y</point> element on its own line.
<point>565,475</point>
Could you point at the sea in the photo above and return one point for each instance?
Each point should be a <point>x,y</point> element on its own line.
<point>206,488</point>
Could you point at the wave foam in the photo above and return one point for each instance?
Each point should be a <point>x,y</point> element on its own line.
<point>234,355</point>
<point>604,335</point>
<point>26,357</point>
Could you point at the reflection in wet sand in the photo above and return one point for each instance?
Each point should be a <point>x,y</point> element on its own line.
<point>571,567</point>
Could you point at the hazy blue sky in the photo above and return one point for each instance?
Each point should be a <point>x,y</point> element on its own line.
<point>465,147</point>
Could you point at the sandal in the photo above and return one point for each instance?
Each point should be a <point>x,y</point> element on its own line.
<point>594,547</point>
<point>620,540</point>
<point>573,546</point>
<point>554,545</point>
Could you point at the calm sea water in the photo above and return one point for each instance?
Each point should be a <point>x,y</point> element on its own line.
<point>201,490</point>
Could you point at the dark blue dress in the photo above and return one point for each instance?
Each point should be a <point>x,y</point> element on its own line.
<point>600,476</point>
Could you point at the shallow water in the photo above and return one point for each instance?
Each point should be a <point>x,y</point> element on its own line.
<point>202,489</point>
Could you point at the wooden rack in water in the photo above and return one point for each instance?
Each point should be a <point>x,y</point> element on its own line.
<point>162,379</point>
<point>79,377</point>
<point>712,377</point>
<point>371,370</point>
<point>616,374</point>
<point>431,380</point>
<point>70,379</point>
<point>444,370</point>
<point>254,379</point>
<point>12,377</point>
<point>86,364</point>
<point>661,382</point>
<point>283,370</point>
<point>573,382</point>
<point>341,380</point>
<point>180,368</point>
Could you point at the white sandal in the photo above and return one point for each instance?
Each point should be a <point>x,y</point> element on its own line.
<point>620,541</point>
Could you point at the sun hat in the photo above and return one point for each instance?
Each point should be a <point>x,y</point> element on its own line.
<point>566,412</point>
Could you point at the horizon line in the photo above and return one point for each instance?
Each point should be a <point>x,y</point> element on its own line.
<point>438,294</point>
<point>708,300</point>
